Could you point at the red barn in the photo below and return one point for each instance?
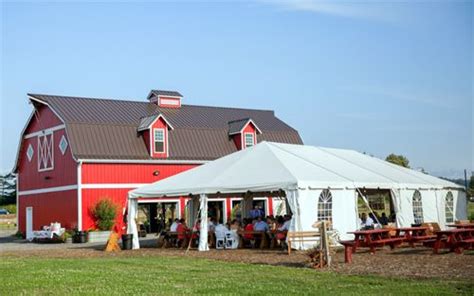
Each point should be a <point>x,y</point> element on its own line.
<point>75,151</point>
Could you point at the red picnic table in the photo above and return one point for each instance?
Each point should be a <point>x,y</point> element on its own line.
<point>375,238</point>
<point>462,226</point>
<point>413,234</point>
<point>454,239</point>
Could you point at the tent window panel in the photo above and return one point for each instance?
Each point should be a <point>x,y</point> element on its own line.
<point>325,206</point>
<point>449,207</point>
<point>417,207</point>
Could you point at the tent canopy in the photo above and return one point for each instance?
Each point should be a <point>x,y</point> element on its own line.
<point>274,166</point>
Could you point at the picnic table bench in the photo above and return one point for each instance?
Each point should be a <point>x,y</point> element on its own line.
<point>414,235</point>
<point>454,239</point>
<point>462,226</point>
<point>375,238</point>
<point>302,236</point>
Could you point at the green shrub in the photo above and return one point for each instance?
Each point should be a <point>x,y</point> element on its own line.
<point>104,213</point>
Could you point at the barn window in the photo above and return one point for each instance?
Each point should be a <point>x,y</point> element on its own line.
<point>30,152</point>
<point>325,206</point>
<point>449,207</point>
<point>45,152</point>
<point>417,207</point>
<point>63,145</point>
<point>249,140</point>
<point>159,140</point>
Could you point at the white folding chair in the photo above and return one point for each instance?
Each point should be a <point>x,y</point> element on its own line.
<point>229,240</point>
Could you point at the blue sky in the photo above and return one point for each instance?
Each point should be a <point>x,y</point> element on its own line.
<point>378,77</point>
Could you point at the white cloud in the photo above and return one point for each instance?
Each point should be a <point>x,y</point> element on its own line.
<point>372,10</point>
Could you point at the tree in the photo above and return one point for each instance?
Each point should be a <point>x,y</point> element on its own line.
<point>7,189</point>
<point>470,189</point>
<point>398,160</point>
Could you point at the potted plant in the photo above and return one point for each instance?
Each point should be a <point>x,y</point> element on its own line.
<point>67,236</point>
<point>104,213</point>
<point>79,237</point>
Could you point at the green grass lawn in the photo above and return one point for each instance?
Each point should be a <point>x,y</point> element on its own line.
<point>7,226</point>
<point>168,275</point>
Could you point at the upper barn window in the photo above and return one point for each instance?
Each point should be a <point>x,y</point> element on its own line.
<point>45,152</point>
<point>325,206</point>
<point>449,207</point>
<point>249,139</point>
<point>159,140</point>
<point>417,207</point>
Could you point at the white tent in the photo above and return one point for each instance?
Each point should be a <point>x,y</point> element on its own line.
<point>303,172</point>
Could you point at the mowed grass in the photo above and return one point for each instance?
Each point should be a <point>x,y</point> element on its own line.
<point>169,275</point>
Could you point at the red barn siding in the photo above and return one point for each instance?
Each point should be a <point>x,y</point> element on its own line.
<point>161,124</point>
<point>249,129</point>
<point>91,196</point>
<point>238,141</point>
<point>163,102</point>
<point>112,173</point>
<point>63,174</point>
<point>146,139</point>
<point>44,118</point>
<point>49,207</point>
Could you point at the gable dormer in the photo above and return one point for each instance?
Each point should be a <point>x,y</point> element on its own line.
<point>243,132</point>
<point>165,98</point>
<point>155,132</point>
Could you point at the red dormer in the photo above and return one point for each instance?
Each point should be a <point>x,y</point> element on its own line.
<point>154,130</point>
<point>165,98</point>
<point>244,132</point>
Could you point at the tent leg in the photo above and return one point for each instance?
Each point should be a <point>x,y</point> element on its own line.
<point>203,244</point>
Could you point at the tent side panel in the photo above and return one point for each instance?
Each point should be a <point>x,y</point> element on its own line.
<point>460,202</point>
<point>344,212</point>
<point>405,209</point>
<point>430,207</point>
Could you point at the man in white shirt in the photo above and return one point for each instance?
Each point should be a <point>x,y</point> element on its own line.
<point>174,226</point>
<point>367,222</point>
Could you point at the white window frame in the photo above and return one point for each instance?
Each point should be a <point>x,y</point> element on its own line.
<point>154,140</point>
<point>325,206</point>
<point>245,139</point>
<point>417,206</point>
<point>50,149</point>
<point>449,208</point>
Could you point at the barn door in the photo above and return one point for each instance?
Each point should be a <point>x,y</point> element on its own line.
<point>29,222</point>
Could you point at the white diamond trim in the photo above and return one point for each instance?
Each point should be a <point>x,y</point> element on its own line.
<point>63,145</point>
<point>30,152</point>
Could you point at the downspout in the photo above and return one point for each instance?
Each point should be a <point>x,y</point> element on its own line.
<point>79,196</point>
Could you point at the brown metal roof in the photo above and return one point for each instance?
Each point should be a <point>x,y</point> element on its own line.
<point>107,128</point>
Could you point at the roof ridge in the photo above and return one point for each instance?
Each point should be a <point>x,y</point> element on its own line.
<point>142,102</point>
